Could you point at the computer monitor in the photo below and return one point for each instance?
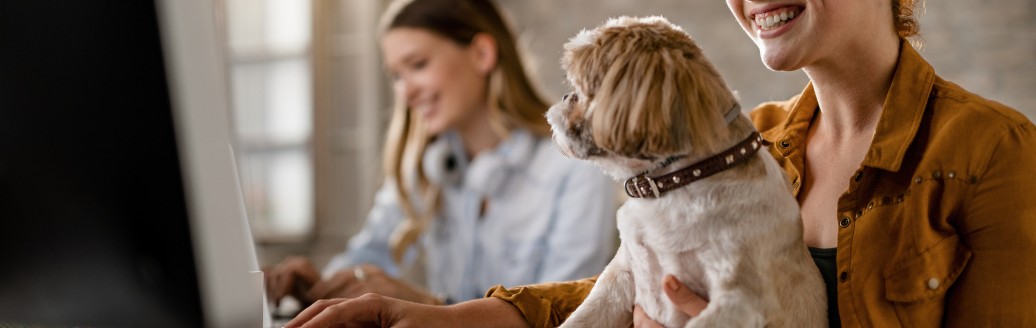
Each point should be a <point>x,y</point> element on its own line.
<point>119,199</point>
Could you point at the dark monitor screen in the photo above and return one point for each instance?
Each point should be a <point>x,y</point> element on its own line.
<point>93,219</point>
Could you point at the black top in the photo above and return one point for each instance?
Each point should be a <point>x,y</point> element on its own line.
<point>825,260</point>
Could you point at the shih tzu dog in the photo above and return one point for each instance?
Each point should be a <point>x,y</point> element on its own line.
<point>707,203</point>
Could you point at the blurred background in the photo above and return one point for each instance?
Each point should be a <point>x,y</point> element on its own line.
<point>311,99</point>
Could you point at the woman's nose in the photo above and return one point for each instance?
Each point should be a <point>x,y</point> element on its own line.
<point>406,89</point>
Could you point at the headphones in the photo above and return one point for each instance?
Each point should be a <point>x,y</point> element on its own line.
<point>445,163</point>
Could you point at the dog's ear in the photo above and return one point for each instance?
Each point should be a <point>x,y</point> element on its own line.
<point>652,92</point>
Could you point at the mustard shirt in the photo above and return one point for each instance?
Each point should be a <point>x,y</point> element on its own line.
<point>938,225</point>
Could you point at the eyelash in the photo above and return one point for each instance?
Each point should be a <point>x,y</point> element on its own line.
<point>417,65</point>
<point>420,64</point>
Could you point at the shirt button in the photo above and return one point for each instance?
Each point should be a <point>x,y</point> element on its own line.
<point>933,283</point>
<point>843,276</point>
<point>844,222</point>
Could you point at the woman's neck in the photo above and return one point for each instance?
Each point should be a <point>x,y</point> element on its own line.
<point>477,135</point>
<point>851,93</point>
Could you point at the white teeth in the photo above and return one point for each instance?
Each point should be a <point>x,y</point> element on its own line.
<point>773,20</point>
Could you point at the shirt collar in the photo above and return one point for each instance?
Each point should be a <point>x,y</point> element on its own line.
<point>900,117</point>
<point>901,114</point>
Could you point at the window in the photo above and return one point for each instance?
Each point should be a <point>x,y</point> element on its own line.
<point>272,94</point>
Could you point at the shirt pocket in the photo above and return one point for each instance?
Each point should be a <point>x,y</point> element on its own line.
<point>917,285</point>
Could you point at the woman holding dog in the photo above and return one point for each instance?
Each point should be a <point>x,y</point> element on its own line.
<point>473,181</point>
<point>915,194</point>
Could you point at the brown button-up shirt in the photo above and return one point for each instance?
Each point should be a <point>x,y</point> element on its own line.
<point>938,225</point>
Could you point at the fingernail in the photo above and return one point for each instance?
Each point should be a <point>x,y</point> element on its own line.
<point>672,283</point>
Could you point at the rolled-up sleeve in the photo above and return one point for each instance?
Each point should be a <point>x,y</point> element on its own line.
<point>546,304</point>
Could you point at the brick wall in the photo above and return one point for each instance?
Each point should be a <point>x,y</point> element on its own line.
<point>986,46</point>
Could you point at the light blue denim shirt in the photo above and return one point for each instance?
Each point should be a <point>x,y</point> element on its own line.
<point>549,218</point>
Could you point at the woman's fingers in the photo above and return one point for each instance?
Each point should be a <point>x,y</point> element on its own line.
<point>641,320</point>
<point>326,288</point>
<point>367,310</point>
<point>685,300</point>
<point>312,311</point>
<point>280,283</point>
<point>289,277</point>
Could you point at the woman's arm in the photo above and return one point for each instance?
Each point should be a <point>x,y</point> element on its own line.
<point>546,304</point>
<point>367,265</point>
<point>371,244</point>
<point>997,287</point>
<point>380,311</point>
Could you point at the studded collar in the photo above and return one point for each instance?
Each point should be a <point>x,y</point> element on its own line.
<point>644,186</point>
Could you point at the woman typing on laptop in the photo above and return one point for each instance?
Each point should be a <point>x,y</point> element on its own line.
<point>473,182</point>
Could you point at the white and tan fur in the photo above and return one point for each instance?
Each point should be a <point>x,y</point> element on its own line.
<point>643,92</point>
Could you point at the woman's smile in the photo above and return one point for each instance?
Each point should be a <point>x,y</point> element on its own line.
<point>769,22</point>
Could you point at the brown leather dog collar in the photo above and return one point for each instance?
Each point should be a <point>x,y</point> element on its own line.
<point>644,186</point>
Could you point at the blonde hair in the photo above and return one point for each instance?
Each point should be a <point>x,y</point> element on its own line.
<point>513,101</point>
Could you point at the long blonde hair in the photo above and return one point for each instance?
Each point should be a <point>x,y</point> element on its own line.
<point>513,101</point>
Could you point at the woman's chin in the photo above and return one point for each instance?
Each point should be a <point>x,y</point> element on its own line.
<point>433,130</point>
<point>778,61</point>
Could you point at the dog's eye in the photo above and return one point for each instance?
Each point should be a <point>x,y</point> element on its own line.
<point>570,97</point>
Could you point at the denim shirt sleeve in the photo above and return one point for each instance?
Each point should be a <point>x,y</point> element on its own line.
<point>371,244</point>
<point>582,239</point>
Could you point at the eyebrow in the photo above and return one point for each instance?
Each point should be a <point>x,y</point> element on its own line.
<point>406,59</point>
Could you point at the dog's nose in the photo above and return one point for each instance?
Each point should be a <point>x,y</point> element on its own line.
<point>571,96</point>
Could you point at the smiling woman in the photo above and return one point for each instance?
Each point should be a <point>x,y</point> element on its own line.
<point>907,229</point>
<point>472,181</point>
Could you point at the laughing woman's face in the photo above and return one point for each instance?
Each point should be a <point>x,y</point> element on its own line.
<point>792,34</point>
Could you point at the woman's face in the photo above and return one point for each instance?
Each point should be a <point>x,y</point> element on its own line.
<point>792,34</point>
<point>439,80</point>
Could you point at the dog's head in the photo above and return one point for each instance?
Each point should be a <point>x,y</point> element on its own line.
<point>642,93</point>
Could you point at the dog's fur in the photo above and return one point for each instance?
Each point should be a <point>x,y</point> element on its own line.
<point>643,93</point>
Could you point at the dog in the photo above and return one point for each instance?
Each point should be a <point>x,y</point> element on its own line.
<point>708,204</point>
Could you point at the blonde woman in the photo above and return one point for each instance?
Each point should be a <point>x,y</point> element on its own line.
<point>473,181</point>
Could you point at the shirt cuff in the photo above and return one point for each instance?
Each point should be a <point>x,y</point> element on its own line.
<point>546,304</point>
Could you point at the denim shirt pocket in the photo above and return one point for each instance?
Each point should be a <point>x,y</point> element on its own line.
<point>927,275</point>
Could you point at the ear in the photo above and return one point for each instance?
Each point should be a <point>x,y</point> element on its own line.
<point>483,52</point>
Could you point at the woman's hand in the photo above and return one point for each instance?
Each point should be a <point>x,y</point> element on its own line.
<point>294,276</point>
<point>369,310</point>
<point>366,278</point>
<point>683,298</point>
<point>372,310</point>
